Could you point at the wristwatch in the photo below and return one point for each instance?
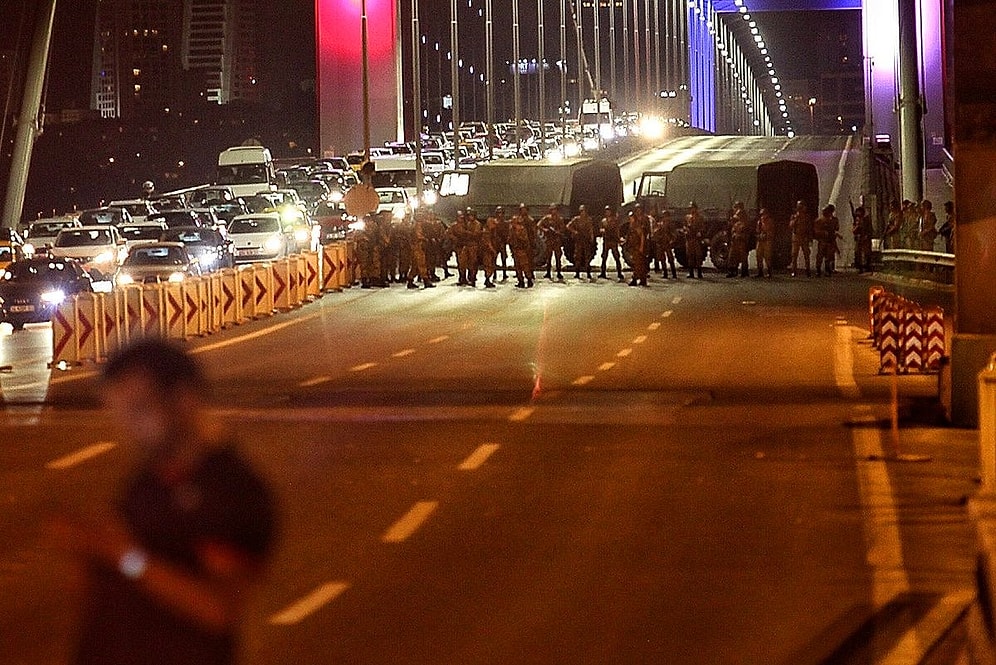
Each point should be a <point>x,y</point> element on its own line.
<point>133,563</point>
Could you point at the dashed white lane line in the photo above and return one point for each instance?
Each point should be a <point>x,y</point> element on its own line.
<point>478,457</point>
<point>624,353</point>
<point>318,380</point>
<point>605,367</point>
<point>410,522</point>
<point>640,340</point>
<point>583,380</point>
<point>667,314</point>
<point>676,300</point>
<point>402,354</point>
<point>437,340</point>
<point>521,414</point>
<point>843,363</point>
<point>80,456</point>
<point>310,604</point>
<point>654,326</point>
<point>362,368</point>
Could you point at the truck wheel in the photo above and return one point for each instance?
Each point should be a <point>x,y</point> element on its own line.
<point>719,250</point>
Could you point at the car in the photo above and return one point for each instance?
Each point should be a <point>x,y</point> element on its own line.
<point>115,215</point>
<point>32,288</point>
<point>157,262</point>
<point>99,248</point>
<point>11,246</point>
<point>134,234</point>
<point>171,218</point>
<point>139,209</point>
<point>211,249</point>
<point>210,195</point>
<point>259,237</point>
<point>394,200</point>
<point>41,233</point>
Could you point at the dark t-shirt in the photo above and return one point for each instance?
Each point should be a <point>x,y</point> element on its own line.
<point>223,501</point>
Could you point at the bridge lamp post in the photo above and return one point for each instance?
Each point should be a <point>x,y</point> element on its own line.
<point>812,115</point>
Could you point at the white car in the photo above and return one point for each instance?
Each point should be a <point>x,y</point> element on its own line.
<point>41,233</point>
<point>394,200</point>
<point>135,234</point>
<point>259,237</point>
<point>139,209</point>
<point>100,249</point>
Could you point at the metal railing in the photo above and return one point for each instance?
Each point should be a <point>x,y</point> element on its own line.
<point>919,264</point>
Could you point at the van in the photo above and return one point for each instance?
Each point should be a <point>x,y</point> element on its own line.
<point>246,170</point>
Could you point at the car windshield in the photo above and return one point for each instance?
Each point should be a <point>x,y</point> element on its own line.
<point>156,256</point>
<point>194,236</point>
<point>391,196</point>
<point>47,228</point>
<point>36,271</point>
<point>133,233</point>
<point>100,217</point>
<point>84,238</point>
<point>254,225</point>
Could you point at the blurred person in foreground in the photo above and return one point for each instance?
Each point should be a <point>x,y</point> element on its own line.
<point>170,567</point>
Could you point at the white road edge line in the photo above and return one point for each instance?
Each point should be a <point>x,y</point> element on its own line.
<point>308,605</point>
<point>478,457</point>
<point>80,456</point>
<point>410,522</point>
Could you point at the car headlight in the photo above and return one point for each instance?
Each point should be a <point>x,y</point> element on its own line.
<point>429,197</point>
<point>302,235</point>
<point>53,297</point>
<point>358,225</point>
<point>124,279</point>
<point>273,244</point>
<point>176,277</point>
<point>104,257</point>
<point>207,259</point>
<point>28,248</point>
<point>336,197</point>
<point>398,212</point>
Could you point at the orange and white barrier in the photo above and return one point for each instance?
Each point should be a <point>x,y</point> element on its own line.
<point>909,338</point>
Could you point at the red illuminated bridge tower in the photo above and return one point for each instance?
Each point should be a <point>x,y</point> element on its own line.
<point>340,73</point>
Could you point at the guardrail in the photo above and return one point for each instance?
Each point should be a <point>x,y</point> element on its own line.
<point>921,264</point>
<point>88,327</point>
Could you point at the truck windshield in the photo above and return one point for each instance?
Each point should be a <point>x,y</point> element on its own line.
<point>241,173</point>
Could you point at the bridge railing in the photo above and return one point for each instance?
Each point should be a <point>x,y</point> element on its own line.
<point>919,264</point>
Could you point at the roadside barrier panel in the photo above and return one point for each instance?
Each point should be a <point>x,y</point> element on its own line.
<point>911,342</point>
<point>89,315</point>
<point>312,275</point>
<point>934,349</point>
<point>330,268</point>
<point>213,282</point>
<point>889,338</point>
<point>352,262</point>
<point>301,279</point>
<point>875,294</point>
<point>263,291</point>
<point>131,312</point>
<point>65,345</point>
<point>112,326</point>
<point>230,298</point>
<point>282,284</point>
<point>154,310</point>
<point>174,311</point>
<point>193,312</point>
<point>247,282</point>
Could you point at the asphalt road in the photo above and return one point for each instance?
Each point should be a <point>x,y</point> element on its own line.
<point>577,473</point>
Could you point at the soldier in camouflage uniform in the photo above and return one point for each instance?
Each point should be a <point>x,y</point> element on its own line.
<point>664,236</point>
<point>553,228</point>
<point>610,232</point>
<point>420,239</point>
<point>519,243</point>
<point>582,230</point>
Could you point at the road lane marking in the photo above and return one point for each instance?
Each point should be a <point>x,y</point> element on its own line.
<point>410,522</point>
<point>437,340</point>
<point>521,414</point>
<point>914,645</point>
<point>478,457</point>
<point>583,380</point>
<point>605,367</point>
<point>624,353</point>
<point>883,543</point>
<point>640,340</point>
<point>80,456</point>
<point>654,326</point>
<point>362,368</point>
<point>402,354</point>
<point>314,382</point>
<point>308,605</point>
<point>667,314</point>
<point>843,364</point>
<point>676,300</point>
<point>269,330</point>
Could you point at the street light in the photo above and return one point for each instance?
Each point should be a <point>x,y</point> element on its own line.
<point>812,115</point>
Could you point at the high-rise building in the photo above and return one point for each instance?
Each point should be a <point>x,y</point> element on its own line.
<point>151,56</point>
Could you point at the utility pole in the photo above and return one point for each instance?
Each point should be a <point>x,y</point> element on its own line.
<point>366,80</point>
<point>29,124</point>
<point>417,101</point>
<point>489,73</point>
<point>910,103</point>
<point>455,80</point>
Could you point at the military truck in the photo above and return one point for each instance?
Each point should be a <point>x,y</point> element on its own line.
<point>714,186</point>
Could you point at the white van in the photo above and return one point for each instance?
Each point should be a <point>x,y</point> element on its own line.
<point>246,170</point>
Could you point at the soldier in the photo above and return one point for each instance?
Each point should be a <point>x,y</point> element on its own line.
<point>638,245</point>
<point>947,229</point>
<point>610,231</point>
<point>736,260</point>
<point>533,236</point>
<point>861,228</point>
<point>765,241</point>
<point>928,226</point>
<point>801,226</point>
<point>664,236</point>
<point>893,226</point>
<point>694,230</point>
<point>390,250</point>
<point>420,239</point>
<point>364,251</point>
<point>457,233</point>
<point>488,251</point>
<point>835,236</point>
<point>825,236</point>
<point>518,242</point>
<point>582,230</point>
<point>466,235</point>
<point>501,240</point>
<point>909,232</point>
<point>403,232</point>
<point>378,227</point>
<point>553,227</point>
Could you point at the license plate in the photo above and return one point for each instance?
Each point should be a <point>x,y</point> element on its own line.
<point>22,308</point>
<point>249,252</point>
